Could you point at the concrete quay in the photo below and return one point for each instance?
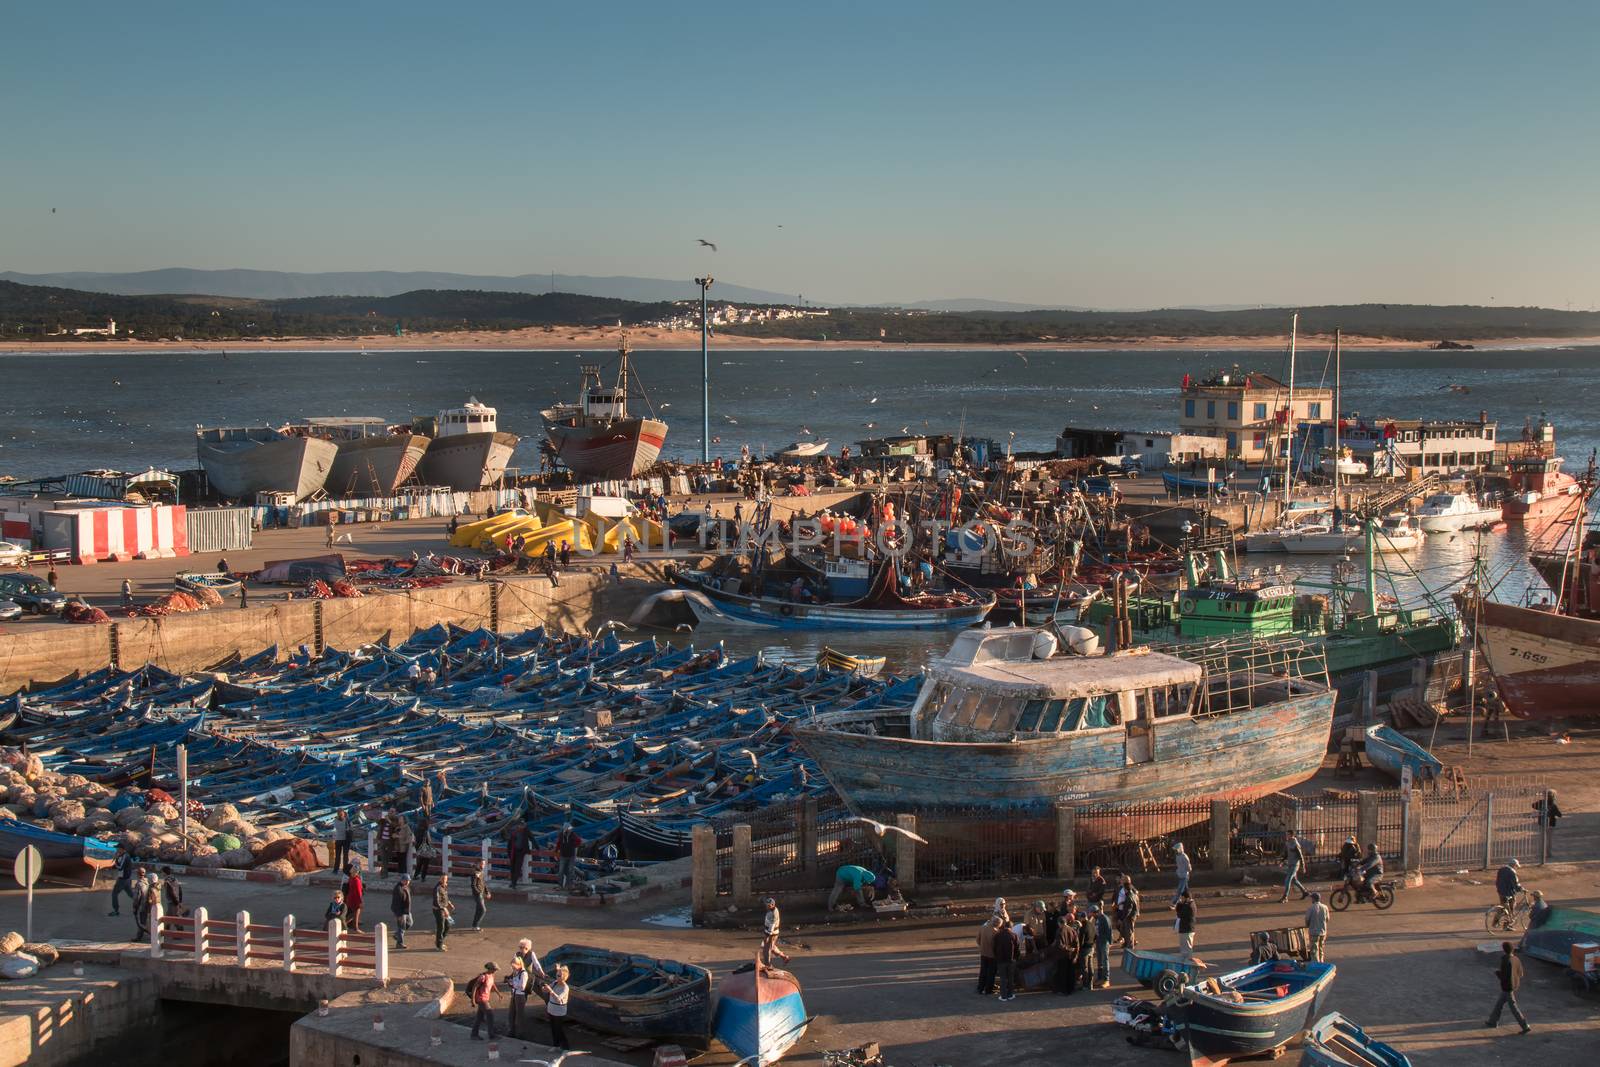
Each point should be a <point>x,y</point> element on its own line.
<point>39,652</point>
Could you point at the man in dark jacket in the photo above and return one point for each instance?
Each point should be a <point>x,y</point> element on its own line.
<point>1349,855</point>
<point>1510,974</point>
<point>124,867</point>
<point>1507,885</point>
<point>1549,814</point>
<point>1065,979</point>
<point>400,908</point>
<point>517,848</point>
<point>1097,887</point>
<point>1005,961</point>
<point>1102,947</point>
<point>1085,922</point>
<point>567,844</point>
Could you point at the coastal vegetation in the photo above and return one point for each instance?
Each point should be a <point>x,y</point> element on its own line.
<point>30,313</point>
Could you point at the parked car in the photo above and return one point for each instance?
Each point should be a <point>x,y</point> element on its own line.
<point>13,554</point>
<point>33,593</point>
<point>10,609</point>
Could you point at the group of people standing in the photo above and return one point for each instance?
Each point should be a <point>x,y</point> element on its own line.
<point>527,977</point>
<point>1071,941</point>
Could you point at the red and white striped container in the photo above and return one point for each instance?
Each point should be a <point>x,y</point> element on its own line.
<point>94,534</point>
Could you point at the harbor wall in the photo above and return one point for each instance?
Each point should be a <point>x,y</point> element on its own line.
<point>57,1019</point>
<point>43,654</point>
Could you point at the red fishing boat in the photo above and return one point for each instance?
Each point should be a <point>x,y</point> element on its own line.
<point>596,438</point>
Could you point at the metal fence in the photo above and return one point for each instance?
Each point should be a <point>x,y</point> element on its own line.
<point>782,857</point>
<point>975,847</point>
<point>1139,838</point>
<point>1469,830</point>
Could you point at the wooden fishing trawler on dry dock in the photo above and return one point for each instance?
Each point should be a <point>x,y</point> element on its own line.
<point>1004,725</point>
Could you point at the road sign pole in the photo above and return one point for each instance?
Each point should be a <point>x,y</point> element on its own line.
<point>26,869</point>
<point>183,796</point>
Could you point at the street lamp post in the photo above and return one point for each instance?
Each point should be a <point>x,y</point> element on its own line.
<point>705,373</point>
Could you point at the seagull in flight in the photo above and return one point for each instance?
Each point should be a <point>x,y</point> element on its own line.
<point>881,828</point>
<point>874,400</point>
<point>559,1060</point>
<point>707,243</point>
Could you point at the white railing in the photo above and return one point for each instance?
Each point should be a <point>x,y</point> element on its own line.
<point>239,942</point>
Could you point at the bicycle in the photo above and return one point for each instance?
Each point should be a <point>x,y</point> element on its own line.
<point>1500,919</point>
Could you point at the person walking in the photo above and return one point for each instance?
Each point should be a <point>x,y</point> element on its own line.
<point>442,910</point>
<point>1102,947</point>
<point>244,595</point>
<point>400,908</point>
<point>555,1006</point>
<point>124,866</point>
<point>335,909</point>
<point>517,987</point>
<point>1184,924</point>
<point>1294,861</point>
<point>354,896</point>
<point>341,841</point>
<point>127,593</point>
<point>1183,867</point>
<point>145,894</point>
<point>1510,975</point>
<point>567,844</point>
<point>479,990</point>
<point>1005,961</point>
<point>480,895</point>
<point>771,923</point>
<point>986,963</point>
<point>1317,926</point>
<point>1126,909</point>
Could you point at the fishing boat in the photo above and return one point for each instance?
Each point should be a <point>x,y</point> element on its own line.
<point>1061,603</point>
<point>242,461</point>
<point>374,458</point>
<point>1164,972</point>
<point>1342,463</point>
<point>637,996</point>
<point>597,438</point>
<point>65,855</point>
<point>1006,727</point>
<point>833,659</point>
<point>1188,485</point>
<point>883,607</point>
<point>467,450</point>
<point>1391,752</point>
<point>1251,1012</point>
<point>760,1014</point>
<point>224,585</point>
<point>1444,513</point>
<point>804,450</point>
<point>1335,1041</point>
<point>1540,492</point>
<point>1545,659</point>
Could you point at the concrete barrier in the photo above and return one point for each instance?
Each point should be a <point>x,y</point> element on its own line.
<point>44,654</point>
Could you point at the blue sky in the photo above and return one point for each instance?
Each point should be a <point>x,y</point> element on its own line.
<point>1098,154</point>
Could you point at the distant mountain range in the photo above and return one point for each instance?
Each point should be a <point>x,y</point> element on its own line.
<point>287,285</point>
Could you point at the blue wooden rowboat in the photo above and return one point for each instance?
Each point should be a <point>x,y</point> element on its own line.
<point>883,608</point>
<point>1390,751</point>
<point>638,996</point>
<point>1165,972</point>
<point>1337,1042</point>
<point>63,854</point>
<point>760,1014</point>
<point>1252,1011</point>
<point>1180,485</point>
<point>224,585</point>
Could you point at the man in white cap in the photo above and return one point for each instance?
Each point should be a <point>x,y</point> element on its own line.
<point>770,925</point>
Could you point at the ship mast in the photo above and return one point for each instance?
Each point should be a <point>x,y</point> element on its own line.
<point>1338,455</point>
<point>1288,428</point>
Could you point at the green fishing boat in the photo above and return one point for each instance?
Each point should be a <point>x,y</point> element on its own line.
<point>1358,629</point>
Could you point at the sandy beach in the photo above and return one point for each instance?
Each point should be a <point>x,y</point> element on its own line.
<point>535,339</point>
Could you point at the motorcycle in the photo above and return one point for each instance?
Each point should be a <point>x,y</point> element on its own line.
<point>1354,892</point>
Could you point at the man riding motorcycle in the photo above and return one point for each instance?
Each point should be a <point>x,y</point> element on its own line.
<point>1370,870</point>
